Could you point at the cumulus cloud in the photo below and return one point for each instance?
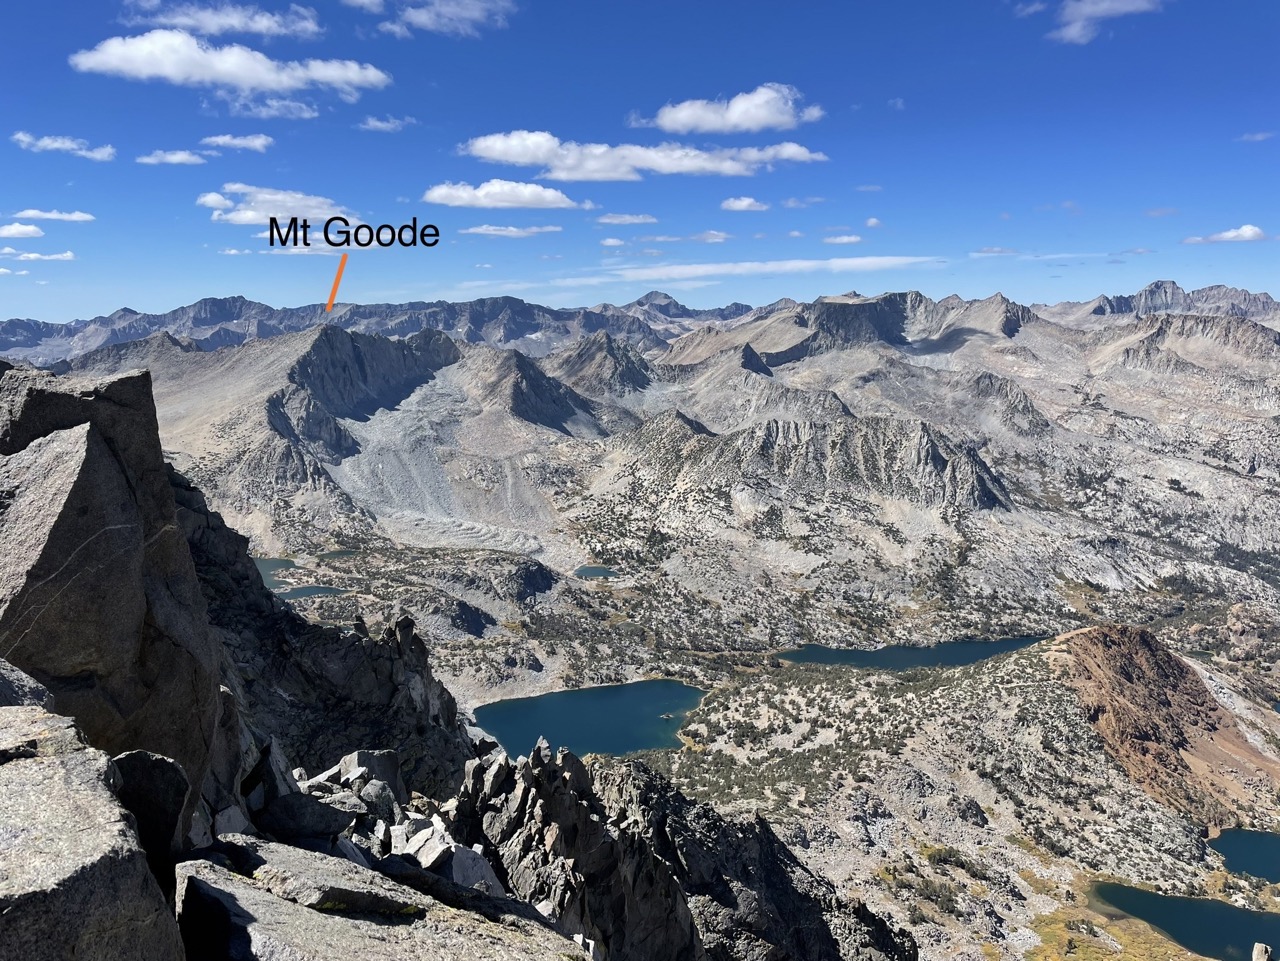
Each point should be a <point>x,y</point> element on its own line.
<point>743,204</point>
<point>171,157</point>
<point>461,18</point>
<point>1080,21</point>
<point>71,145</point>
<point>796,203</point>
<point>298,22</point>
<point>74,216</point>
<point>566,160</point>
<point>388,124</point>
<point>1243,234</point>
<point>497,194</point>
<point>488,230</point>
<point>897,103</point>
<point>272,108</point>
<point>612,242</point>
<point>795,233</point>
<point>257,205</point>
<point>711,237</point>
<point>177,57</point>
<point>771,106</point>
<point>626,219</point>
<point>842,239</point>
<point>257,142</point>
<point>874,222</point>
<point>16,230</point>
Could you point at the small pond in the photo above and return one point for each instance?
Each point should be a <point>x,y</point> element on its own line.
<point>898,657</point>
<point>270,569</point>
<point>595,572</point>
<point>615,719</point>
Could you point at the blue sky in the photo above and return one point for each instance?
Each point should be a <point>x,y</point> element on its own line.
<point>577,151</point>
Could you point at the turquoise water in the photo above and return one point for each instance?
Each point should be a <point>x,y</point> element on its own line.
<point>900,658</point>
<point>616,719</point>
<point>270,567</point>
<point>1250,852</point>
<point>594,571</point>
<point>1211,928</point>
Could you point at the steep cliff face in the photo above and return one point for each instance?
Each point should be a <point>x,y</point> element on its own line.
<point>321,692</point>
<point>614,853</point>
<point>99,600</point>
<point>1161,723</point>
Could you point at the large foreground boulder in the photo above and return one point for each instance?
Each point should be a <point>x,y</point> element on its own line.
<point>256,901</point>
<point>74,881</point>
<point>99,600</point>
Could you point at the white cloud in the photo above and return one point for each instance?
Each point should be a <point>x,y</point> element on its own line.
<point>743,204</point>
<point>1080,20</point>
<point>171,157</point>
<point>626,219</point>
<point>612,242</point>
<point>177,57</point>
<point>1027,9</point>
<point>488,230</point>
<point>257,205</point>
<point>462,18</point>
<point>795,233</point>
<point>215,200</point>
<point>257,142</point>
<point>67,255</point>
<point>1236,235</point>
<point>1259,137</point>
<point>711,237</point>
<point>232,252</point>
<point>75,216</point>
<point>675,272</point>
<point>14,231</point>
<point>795,203</point>
<point>299,22</point>
<point>71,145</point>
<point>771,106</point>
<point>388,124</point>
<point>273,108</point>
<point>660,239</point>
<point>497,194</point>
<point>842,239</point>
<point>566,160</point>
<point>368,6</point>
<point>874,222</point>
<point>992,252</point>
<point>869,188</point>
<point>897,103</point>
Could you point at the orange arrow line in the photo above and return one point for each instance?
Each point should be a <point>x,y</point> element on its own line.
<point>333,294</point>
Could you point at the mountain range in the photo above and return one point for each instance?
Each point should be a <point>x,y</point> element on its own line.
<point>652,321</point>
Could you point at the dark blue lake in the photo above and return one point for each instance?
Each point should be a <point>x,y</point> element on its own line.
<point>616,719</point>
<point>900,658</point>
<point>1250,852</point>
<point>1211,928</point>
<point>270,567</point>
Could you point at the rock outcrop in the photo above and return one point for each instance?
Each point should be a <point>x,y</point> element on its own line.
<point>74,881</point>
<point>1161,723</point>
<point>99,600</point>
<point>619,857</point>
